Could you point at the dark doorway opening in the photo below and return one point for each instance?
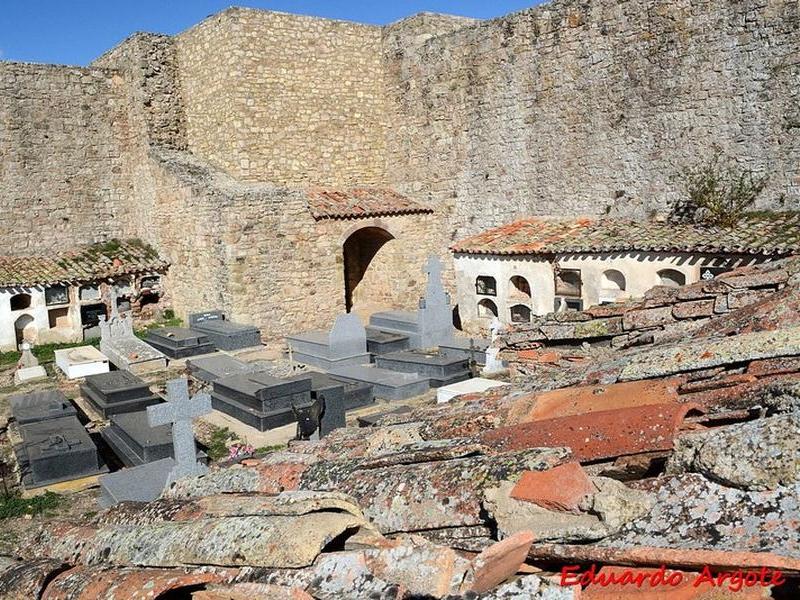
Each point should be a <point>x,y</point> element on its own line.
<point>359,250</point>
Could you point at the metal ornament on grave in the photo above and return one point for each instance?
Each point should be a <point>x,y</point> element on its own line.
<point>179,411</point>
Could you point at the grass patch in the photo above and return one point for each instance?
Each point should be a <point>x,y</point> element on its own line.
<point>169,320</point>
<point>14,506</point>
<point>47,352</point>
<point>264,450</point>
<point>9,358</point>
<point>218,443</point>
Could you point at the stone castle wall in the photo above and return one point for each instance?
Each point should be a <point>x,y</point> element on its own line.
<point>66,149</point>
<point>583,107</point>
<point>286,99</point>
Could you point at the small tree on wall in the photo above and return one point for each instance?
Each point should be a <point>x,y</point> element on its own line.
<point>719,192</point>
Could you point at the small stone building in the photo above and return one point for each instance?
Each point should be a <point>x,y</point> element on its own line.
<point>537,266</point>
<point>58,298</point>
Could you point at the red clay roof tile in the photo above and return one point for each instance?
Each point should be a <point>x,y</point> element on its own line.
<point>360,202</point>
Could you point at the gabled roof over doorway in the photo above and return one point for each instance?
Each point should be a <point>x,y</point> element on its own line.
<point>352,203</point>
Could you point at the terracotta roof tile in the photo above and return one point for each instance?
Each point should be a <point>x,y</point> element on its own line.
<point>778,235</point>
<point>360,202</point>
<point>85,263</point>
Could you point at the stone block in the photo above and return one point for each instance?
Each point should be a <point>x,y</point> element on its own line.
<point>138,484</point>
<point>81,362</point>
<point>40,406</point>
<point>29,374</point>
<point>179,342</point>
<point>740,298</point>
<point>134,441</point>
<point>693,309</point>
<point>117,392</point>
<point>387,384</point>
<point>469,386</point>
<point>440,368</point>
<point>646,318</point>
<point>224,334</point>
<point>383,342</point>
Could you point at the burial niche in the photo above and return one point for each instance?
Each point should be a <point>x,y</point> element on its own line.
<point>487,308</point>
<point>520,287</point>
<point>20,301</point>
<point>360,249</point>
<point>24,329</point>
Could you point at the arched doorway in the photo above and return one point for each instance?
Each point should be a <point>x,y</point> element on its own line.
<point>360,248</point>
<point>24,329</point>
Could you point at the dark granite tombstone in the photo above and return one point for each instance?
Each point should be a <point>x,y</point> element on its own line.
<point>179,342</point>
<point>40,406</point>
<point>224,334</point>
<point>387,384</point>
<point>211,368</point>
<point>383,342</point>
<point>372,420</point>
<point>260,400</point>
<point>134,441</point>
<point>56,450</point>
<point>117,392</point>
<point>353,394</point>
<point>440,368</point>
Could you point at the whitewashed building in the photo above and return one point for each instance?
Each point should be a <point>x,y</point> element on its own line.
<point>537,266</point>
<point>58,298</point>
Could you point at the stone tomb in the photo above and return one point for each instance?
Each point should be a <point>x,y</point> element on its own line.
<point>211,368</point>
<point>340,396</point>
<point>179,342</point>
<point>468,348</point>
<point>468,386</point>
<point>383,342</point>
<point>438,367</point>
<point>387,384</point>
<point>118,392</point>
<point>55,450</point>
<point>345,344</point>
<point>224,334</point>
<point>260,400</point>
<point>123,348</point>
<point>40,406</point>
<point>134,441</point>
<point>146,482</point>
<point>81,362</point>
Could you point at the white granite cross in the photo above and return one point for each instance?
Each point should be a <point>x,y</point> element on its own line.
<point>179,410</point>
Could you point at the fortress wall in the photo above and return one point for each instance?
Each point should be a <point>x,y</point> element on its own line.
<point>66,150</point>
<point>588,107</point>
<point>286,99</point>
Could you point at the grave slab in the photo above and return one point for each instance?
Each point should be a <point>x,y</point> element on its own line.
<point>137,484</point>
<point>260,400</point>
<point>372,419</point>
<point>384,342</point>
<point>28,367</point>
<point>179,342</point>
<point>440,368</point>
<point>211,368</point>
<point>56,450</point>
<point>126,351</point>
<point>40,406</point>
<point>345,344</point>
<point>339,397</point>
<point>134,441</point>
<point>81,361</point>
<point>224,334</point>
<point>117,392</point>
<point>468,386</point>
<point>386,384</point>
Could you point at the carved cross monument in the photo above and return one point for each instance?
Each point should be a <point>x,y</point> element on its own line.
<point>434,316</point>
<point>179,410</point>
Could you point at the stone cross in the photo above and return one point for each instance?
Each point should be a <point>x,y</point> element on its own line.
<point>179,410</point>
<point>434,290</point>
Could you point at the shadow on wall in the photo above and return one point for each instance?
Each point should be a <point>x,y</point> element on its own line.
<point>359,251</point>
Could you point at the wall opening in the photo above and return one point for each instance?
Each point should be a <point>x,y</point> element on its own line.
<point>671,278</point>
<point>568,282</point>
<point>25,329</point>
<point>520,286</point>
<point>520,314</point>
<point>20,301</point>
<point>486,286</point>
<point>59,318</point>
<point>359,250</point>
<point>487,308</point>
<point>613,280</point>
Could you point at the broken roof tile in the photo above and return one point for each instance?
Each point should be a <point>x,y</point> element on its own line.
<point>598,435</point>
<point>560,488</point>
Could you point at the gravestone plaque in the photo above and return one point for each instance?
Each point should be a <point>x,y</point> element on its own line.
<point>40,406</point>
<point>179,342</point>
<point>179,411</point>
<point>118,392</point>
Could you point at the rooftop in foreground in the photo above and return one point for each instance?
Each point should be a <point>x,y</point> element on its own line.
<point>778,235</point>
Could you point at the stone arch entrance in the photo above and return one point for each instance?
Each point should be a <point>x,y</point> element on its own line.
<point>24,329</point>
<point>359,249</point>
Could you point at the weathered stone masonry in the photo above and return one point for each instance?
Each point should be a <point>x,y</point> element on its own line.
<point>203,143</point>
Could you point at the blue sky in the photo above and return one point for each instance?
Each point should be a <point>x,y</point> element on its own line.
<point>77,31</point>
